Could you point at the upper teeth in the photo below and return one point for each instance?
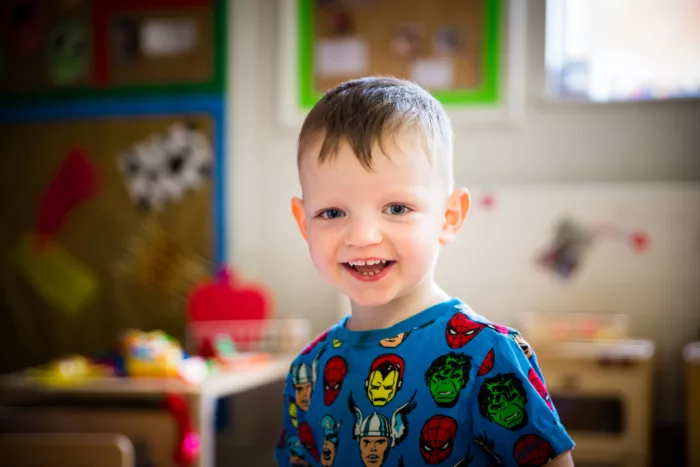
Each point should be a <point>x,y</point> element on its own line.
<point>369,262</point>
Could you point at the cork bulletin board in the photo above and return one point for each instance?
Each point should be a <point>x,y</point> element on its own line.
<point>450,47</point>
<point>66,49</point>
<point>116,209</point>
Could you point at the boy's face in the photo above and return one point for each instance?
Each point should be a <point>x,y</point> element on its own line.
<point>374,235</point>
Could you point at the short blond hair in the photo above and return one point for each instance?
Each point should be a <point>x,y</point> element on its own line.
<point>365,111</point>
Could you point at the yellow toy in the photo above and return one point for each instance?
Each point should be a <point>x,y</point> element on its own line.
<point>69,370</point>
<point>151,354</point>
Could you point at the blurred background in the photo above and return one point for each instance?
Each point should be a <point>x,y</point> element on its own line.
<point>154,284</point>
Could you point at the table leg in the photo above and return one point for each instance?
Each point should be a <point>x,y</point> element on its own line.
<point>202,415</point>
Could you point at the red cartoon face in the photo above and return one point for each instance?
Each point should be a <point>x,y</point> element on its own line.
<point>333,376</point>
<point>487,364</point>
<point>437,439</point>
<point>532,451</point>
<point>460,330</point>
<point>539,386</point>
<point>306,437</point>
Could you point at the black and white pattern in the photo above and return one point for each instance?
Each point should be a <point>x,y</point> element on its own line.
<point>165,166</point>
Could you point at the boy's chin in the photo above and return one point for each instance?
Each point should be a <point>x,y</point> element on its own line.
<point>370,300</point>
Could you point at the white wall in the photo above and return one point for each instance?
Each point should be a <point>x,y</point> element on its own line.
<point>552,143</point>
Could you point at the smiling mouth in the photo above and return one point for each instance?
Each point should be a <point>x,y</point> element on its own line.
<point>369,268</point>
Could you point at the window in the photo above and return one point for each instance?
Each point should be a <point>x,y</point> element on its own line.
<point>623,50</point>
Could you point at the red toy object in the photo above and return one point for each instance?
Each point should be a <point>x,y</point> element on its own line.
<point>220,306</point>
<point>225,299</point>
<point>188,440</point>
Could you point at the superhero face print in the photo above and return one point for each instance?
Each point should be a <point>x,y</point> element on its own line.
<point>522,343</point>
<point>392,342</point>
<point>446,377</point>
<point>502,400</point>
<point>539,386</point>
<point>303,379</point>
<point>302,395</point>
<point>461,330</point>
<point>330,440</point>
<point>374,449</point>
<point>532,451</point>
<point>376,435</point>
<point>384,379</point>
<point>437,438</point>
<point>487,364</point>
<point>293,413</point>
<point>333,377</point>
<point>306,438</point>
<point>297,456</point>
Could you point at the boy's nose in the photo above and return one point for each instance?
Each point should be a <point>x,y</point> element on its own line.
<point>362,234</point>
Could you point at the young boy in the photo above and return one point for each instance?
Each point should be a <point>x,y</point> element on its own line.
<point>412,376</point>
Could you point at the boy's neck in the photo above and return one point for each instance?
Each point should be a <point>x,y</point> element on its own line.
<point>385,316</point>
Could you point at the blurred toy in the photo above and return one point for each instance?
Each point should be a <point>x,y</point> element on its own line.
<point>193,370</point>
<point>572,240</point>
<point>151,354</point>
<point>69,370</point>
<point>220,307</point>
<point>188,440</point>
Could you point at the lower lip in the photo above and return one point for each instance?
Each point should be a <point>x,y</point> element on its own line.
<point>361,277</point>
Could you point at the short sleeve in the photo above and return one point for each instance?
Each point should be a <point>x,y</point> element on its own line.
<point>513,417</point>
<point>289,449</point>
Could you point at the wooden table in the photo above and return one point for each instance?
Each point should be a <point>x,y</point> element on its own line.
<point>201,397</point>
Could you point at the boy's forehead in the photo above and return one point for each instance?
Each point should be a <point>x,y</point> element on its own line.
<point>394,158</point>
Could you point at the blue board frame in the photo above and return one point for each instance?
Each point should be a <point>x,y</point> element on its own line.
<point>213,105</point>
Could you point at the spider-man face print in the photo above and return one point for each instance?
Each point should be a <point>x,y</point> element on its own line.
<point>532,451</point>
<point>460,330</point>
<point>333,377</point>
<point>306,437</point>
<point>539,386</point>
<point>437,439</point>
<point>487,364</point>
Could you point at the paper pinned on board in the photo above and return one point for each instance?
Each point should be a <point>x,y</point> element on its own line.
<point>341,57</point>
<point>167,37</point>
<point>55,274</point>
<point>433,73</point>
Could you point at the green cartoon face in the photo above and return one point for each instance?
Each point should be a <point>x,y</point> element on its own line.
<point>68,52</point>
<point>502,400</point>
<point>447,376</point>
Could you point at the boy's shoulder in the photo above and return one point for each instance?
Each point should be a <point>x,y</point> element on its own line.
<point>313,351</point>
<point>458,325</point>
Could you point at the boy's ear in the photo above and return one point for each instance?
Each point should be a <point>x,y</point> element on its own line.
<point>299,215</point>
<point>455,212</point>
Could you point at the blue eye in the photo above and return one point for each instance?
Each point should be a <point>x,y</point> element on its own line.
<point>331,214</point>
<point>397,209</point>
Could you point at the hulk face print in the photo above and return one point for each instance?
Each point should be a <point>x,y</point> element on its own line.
<point>447,376</point>
<point>502,400</point>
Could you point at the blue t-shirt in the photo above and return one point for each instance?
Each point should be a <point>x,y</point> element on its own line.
<point>444,387</point>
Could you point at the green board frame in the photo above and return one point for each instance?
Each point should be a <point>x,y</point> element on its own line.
<point>216,85</point>
<point>487,94</point>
